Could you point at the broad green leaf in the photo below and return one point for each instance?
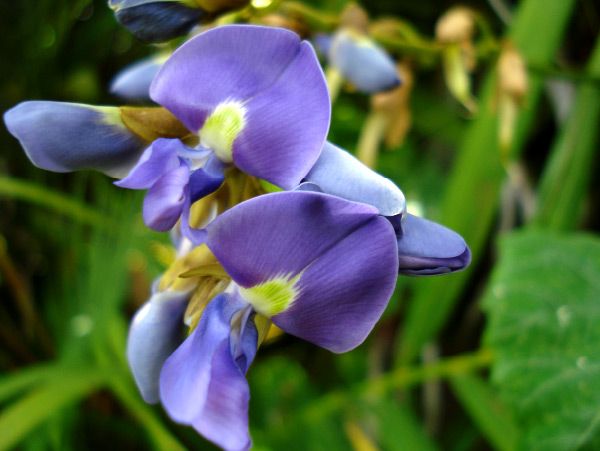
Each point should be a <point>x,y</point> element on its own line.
<point>543,306</point>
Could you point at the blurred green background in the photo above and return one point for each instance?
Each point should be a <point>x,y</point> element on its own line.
<point>503,356</point>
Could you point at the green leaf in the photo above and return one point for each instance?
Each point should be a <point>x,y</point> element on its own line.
<point>23,416</point>
<point>487,411</point>
<point>544,309</point>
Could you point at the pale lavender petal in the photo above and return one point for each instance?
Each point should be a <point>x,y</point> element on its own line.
<point>159,158</point>
<point>164,202</point>
<point>427,248</point>
<point>228,62</point>
<point>363,62</point>
<point>201,384</point>
<point>65,137</point>
<point>344,252</point>
<point>339,173</point>
<point>155,332</point>
<point>287,124</point>
<point>133,82</point>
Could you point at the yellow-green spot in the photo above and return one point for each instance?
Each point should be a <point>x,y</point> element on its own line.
<point>273,296</point>
<point>222,127</point>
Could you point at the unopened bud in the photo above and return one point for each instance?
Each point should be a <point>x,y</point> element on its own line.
<point>512,73</point>
<point>355,17</point>
<point>455,26</point>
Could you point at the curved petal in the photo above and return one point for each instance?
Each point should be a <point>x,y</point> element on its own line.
<point>203,181</point>
<point>201,384</point>
<point>287,124</point>
<point>133,82</point>
<point>233,62</point>
<point>339,173</point>
<point>426,248</point>
<point>159,158</point>
<point>65,137</point>
<point>156,21</point>
<point>362,62</point>
<point>164,202</point>
<point>322,267</point>
<point>155,332</point>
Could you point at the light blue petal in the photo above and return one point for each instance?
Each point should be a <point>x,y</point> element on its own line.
<point>155,332</point>
<point>339,173</point>
<point>133,82</point>
<point>66,137</point>
<point>362,62</point>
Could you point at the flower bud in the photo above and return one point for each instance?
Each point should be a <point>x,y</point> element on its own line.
<point>133,82</point>
<point>362,62</point>
<point>157,21</point>
<point>455,26</point>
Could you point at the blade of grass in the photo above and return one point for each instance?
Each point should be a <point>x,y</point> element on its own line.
<point>473,190</point>
<point>569,170</point>
<point>23,416</point>
<point>484,407</point>
<point>41,195</point>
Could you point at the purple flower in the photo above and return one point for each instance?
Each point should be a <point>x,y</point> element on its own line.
<point>133,82</point>
<point>320,267</point>
<point>254,97</point>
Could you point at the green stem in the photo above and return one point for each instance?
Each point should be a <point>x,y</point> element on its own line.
<point>335,81</point>
<point>40,195</point>
<point>370,138</point>
<point>403,377</point>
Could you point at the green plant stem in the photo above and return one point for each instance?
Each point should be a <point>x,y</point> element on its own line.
<point>399,378</point>
<point>473,191</point>
<point>40,195</point>
<point>315,18</point>
<point>335,81</point>
<point>569,170</point>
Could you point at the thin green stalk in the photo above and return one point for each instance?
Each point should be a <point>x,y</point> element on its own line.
<point>569,170</point>
<point>41,195</point>
<point>473,191</point>
<point>399,378</point>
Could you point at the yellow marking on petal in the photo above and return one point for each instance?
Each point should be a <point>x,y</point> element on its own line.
<point>222,127</point>
<point>273,296</point>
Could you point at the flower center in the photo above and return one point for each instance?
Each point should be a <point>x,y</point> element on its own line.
<point>222,127</point>
<point>272,296</point>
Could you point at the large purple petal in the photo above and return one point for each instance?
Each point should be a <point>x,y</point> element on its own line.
<point>229,62</point>
<point>155,332</point>
<point>65,137</point>
<point>287,124</point>
<point>339,173</point>
<point>427,248</point>
<point>282,233</point>
<point>201,384</point>
<point>343,252</point>
<point>164,202</point>
<point>159,158</point>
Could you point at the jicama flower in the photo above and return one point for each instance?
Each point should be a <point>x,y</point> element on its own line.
<point>250,97</point>
<point>320,267</point>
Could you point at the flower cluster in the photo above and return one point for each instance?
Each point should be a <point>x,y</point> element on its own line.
<point>275,227</point>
